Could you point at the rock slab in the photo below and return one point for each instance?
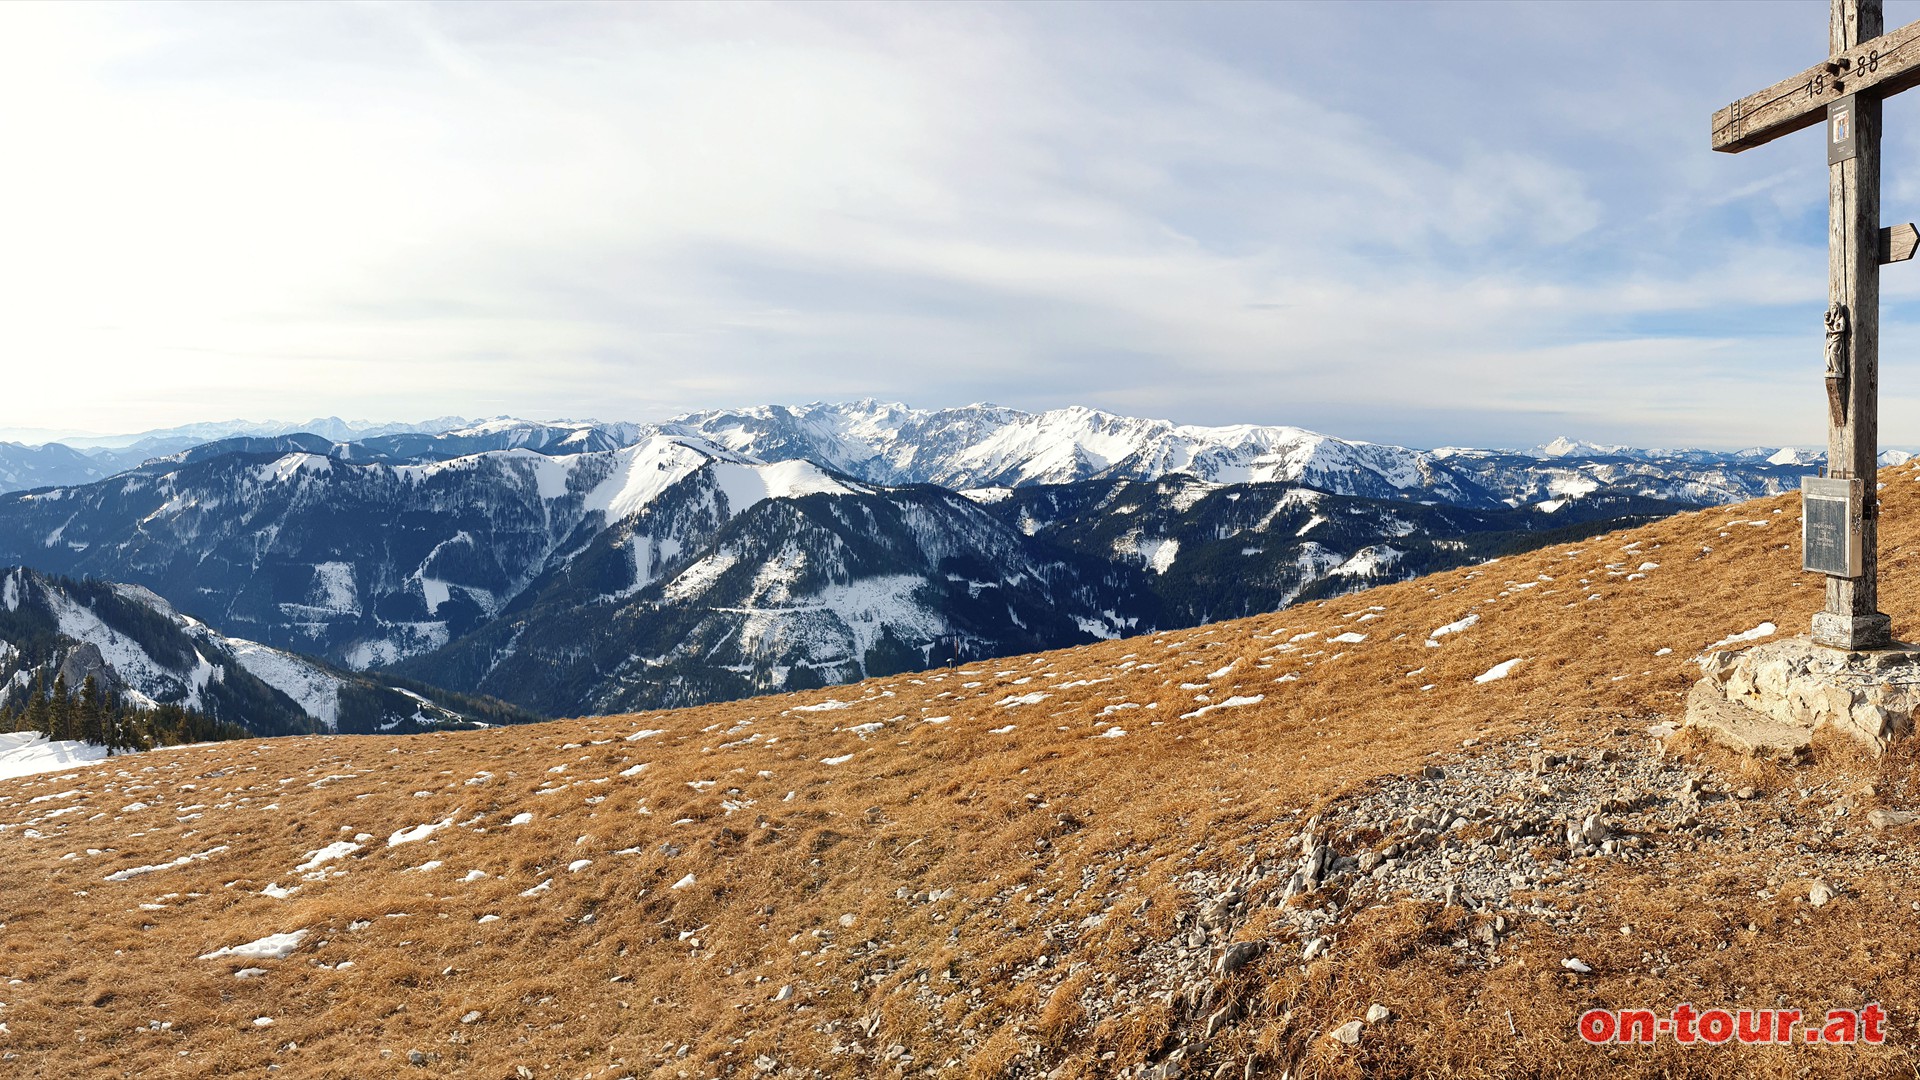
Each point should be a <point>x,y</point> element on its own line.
<point>1768,700</point>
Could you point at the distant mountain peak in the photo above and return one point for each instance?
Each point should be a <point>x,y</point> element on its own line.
<point>1568,447</point>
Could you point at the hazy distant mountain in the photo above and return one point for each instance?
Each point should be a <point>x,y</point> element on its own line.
<point>330,427</point>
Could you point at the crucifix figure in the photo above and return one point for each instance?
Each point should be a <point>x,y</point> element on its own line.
<point>1864,65</point>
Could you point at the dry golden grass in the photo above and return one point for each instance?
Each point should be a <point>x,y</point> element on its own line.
<point>796,864</point>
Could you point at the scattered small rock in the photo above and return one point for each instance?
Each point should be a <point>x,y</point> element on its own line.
<point>1239,955</point>
<point>1347,1033</point>
<point>1377,1012</point>
<point>1883,820</point>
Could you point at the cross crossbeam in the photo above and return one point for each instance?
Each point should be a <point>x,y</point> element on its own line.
<point>1885,65</point>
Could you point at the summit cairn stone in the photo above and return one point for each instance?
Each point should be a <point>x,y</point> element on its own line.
<point>1769,699</point>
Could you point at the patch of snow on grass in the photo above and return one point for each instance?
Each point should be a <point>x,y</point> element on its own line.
<point>1497,671</point>
<point>1765,629</point>
<point>271,947</point>
<point>1230,703</point>
<point>339,849</point>
<point>417,832</point>
<point>1453,627</point>
<point>136,871</point>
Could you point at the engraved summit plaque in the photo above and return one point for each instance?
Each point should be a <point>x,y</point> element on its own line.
<point>1830,526</point>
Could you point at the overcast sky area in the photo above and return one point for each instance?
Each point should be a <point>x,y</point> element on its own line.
<point>1471,224</point>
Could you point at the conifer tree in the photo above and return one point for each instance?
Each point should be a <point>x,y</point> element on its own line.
<point>92,714</point>
<point>60,710</point>
<point>39,715</point>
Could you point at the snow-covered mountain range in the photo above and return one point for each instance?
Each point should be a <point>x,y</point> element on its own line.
<point>979,446</point>
<point>582,566</point>
<point>799,573</point>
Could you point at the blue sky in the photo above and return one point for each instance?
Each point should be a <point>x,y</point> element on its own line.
<point>1427,224</point>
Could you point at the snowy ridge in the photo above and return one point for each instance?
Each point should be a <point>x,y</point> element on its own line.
<point>986,446</point>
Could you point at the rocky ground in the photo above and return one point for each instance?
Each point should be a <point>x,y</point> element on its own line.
<point>1513,836</point>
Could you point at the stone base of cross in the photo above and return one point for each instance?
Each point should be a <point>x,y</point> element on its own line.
<point>1840,510</point>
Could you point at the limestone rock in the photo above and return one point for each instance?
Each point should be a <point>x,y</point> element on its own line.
<point>1377,1012</point>
<point>1794,683</point>
<point>1740,728</point>
<point>1239,955</point>
<point>1888,819</point>
<point>1347,1033</point>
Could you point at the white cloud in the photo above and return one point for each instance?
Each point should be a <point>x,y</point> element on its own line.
<point>1229,214</point>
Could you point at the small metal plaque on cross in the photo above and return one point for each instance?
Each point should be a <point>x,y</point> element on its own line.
<point>1830,514</point>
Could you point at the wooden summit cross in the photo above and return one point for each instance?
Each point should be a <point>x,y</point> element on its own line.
<point>1840,511</point>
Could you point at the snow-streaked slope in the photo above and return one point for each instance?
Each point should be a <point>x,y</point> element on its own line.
<point>138,648</point>
<point>312,688</point>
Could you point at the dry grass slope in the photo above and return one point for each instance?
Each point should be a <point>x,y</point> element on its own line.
<point>962,872</point>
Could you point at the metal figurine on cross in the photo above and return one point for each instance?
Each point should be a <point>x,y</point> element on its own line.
<point>1840,512</point>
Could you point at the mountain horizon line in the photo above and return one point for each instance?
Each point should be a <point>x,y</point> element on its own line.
<point>341,430</point>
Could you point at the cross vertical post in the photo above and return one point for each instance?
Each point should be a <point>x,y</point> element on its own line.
<point>1851,618</point>
<point>1841,512</point>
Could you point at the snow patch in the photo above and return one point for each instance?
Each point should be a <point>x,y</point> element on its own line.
<point>1230,703</point>
<point>1453,627</point>
<point>271,947</point>
<point>24,753</point>
<point>417,832</point>
<point>1497,671</point>
<point>1765,629</point>
<point>746,485</point>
